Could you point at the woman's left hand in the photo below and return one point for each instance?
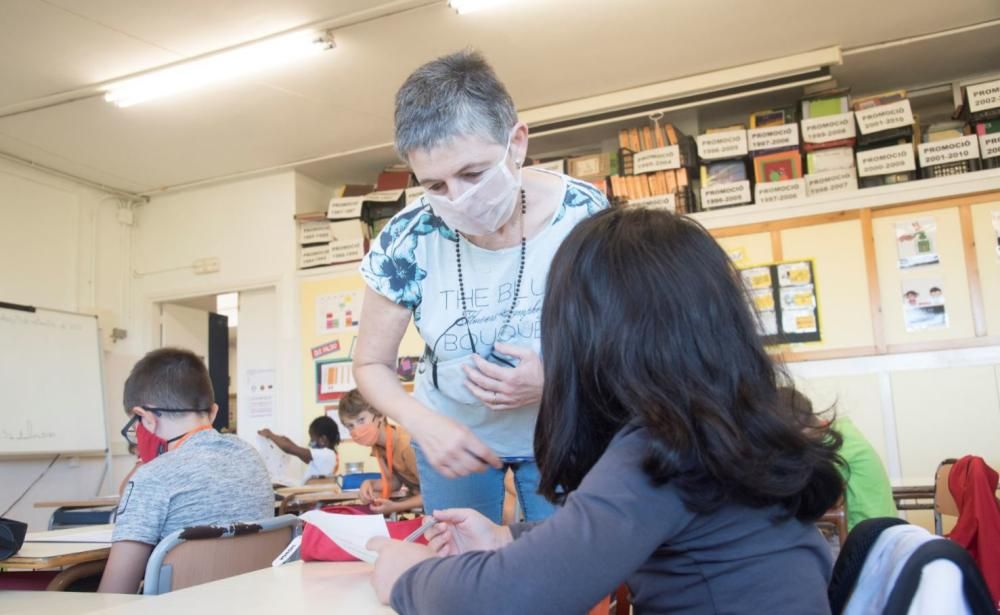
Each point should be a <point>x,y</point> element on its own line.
<point>394,558</point>
<point>506,388</point>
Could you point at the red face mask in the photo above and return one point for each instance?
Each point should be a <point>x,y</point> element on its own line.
<point>148,445</point>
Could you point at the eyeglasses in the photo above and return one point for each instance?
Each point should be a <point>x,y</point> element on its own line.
<point>431,351</point>
<point>128,431</point>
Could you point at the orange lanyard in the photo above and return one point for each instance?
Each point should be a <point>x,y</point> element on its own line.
<point>191,433</point>
<point>386,475</point>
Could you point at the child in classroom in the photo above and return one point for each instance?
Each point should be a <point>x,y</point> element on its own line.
<point>390,445</point>
<point>321,458</point>
<point>662,436</point>
<point>190,473</point>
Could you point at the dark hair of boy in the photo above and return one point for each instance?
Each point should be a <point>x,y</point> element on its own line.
<point>169,378</point>
<point>935,289</point>
<point>324,426</point>
<point>685,361</point>
<point>352,404</point>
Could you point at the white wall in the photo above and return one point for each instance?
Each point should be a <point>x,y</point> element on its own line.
<point>184,327</point>
<point>61,247</point>
<point>310,195</point>
<point>249,226</point>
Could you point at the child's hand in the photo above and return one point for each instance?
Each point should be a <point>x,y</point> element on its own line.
<point>265,432</point>
<point>394,558</point>
<point>366,493</point>
<point>385,507</point>
<point>460,530</point>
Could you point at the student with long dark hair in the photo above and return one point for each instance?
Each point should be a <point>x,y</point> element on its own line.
<point>662,433</point>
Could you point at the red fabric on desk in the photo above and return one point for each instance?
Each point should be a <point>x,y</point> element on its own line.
<point>973,484</point>
<point>317,547</point>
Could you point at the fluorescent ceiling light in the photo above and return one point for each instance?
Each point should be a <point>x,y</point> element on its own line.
<point>213,68</point>
<point>467,6</point>
<point>724,84</point>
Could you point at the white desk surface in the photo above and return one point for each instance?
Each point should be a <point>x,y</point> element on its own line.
<point>36,555</point>
<point>48,603</point>
<point>298,587</point>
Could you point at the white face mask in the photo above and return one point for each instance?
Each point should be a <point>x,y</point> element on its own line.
<point>485,207</point>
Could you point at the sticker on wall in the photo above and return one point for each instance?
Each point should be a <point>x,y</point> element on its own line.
<point>338,312</point>
<point>916,243</point>
<point>923,304</point>
<point>757,278</point>
<point>738,255</point>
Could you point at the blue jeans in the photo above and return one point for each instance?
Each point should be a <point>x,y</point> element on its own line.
<point>483,492</point>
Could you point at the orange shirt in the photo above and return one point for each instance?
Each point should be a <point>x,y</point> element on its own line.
<point>404,460</point>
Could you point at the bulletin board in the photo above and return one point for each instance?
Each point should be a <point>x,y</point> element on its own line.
<point>945,252</point>
<point>907,281</point>
<point>783,295</point>
<point>330,307</point>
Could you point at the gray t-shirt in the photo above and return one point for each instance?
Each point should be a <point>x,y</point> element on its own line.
<point>210,479</point>
<point>620,527</point>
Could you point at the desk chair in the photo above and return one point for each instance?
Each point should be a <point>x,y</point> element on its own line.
<point>618,603</point>
<point>200,554</point>
<point>837,517</point>
<point>944,503</point>
<point>353,481</point>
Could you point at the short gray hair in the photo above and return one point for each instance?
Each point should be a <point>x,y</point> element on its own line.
<point>456,94</point>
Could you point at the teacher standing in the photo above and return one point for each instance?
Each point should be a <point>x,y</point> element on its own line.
<point>468,264</point>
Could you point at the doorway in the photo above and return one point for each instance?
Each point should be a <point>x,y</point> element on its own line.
<point>236,333</point>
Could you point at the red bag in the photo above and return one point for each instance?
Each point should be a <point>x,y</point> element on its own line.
<point>317,547</point>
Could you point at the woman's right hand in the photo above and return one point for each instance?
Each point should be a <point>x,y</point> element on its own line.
<point>452,448</point>
<point>460,530</point>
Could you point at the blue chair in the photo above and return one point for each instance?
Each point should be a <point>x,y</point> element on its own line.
<point>65,516</point>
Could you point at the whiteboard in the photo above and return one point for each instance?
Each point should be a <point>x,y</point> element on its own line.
<point>51,393</point>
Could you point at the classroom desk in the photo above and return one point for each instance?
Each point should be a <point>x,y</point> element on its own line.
<point>297,587</point>
<point>111,500</point>
<point>317,488</point>
<point>47,603</point>
<point>45,555</point>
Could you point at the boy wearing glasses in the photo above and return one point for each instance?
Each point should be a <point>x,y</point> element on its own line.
<point>190,474</point>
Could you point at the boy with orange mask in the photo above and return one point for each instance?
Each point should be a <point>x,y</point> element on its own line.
<point>390,445</point>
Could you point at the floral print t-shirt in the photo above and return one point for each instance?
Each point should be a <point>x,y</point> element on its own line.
<point>413,263</point>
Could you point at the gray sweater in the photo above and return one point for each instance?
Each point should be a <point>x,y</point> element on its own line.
<point>619,527</point>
